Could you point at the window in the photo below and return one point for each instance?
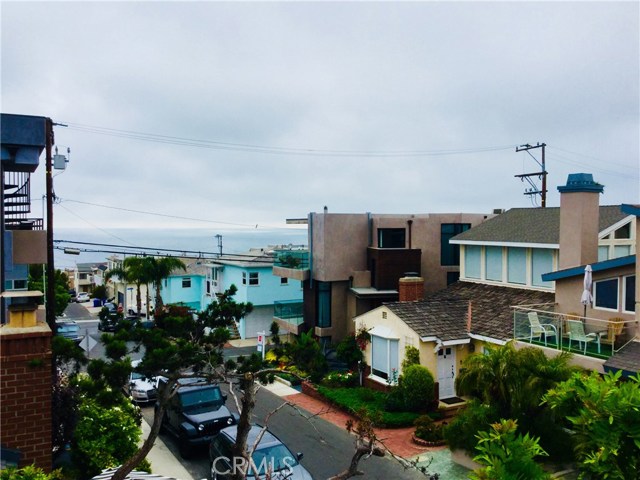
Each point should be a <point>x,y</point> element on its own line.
<point>493,258</point>
<point>630,293</point>
<point>605,294</point>
<point>472,261</point>
<point>391,238</point>
<point>517,265</point>
<point>324,304</point>
<point>541,262</point>
<point>450,254</point>
<point>284,281</point>
<point>603,253</point>
<point>623,232</point>
<point>254,278</point>
<point>384,314</point>
<point>209,286</point>
<point>82,276</point>
<point>384,356</point>
<point>621,251</point>
<point>186,282</point>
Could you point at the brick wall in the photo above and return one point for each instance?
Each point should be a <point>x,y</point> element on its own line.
<point>25,393</point>
<point>410,289</point>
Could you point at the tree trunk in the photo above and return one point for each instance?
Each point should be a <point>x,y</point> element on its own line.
<point>248,402</point>
<point>159,302</point>
<point>138,299</point>
<point>362,449</point>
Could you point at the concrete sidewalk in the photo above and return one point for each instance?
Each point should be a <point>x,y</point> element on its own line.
<point>163,461</point>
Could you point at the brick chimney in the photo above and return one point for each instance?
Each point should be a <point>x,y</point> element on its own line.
<point>410,288</point>
<point>579,220</point>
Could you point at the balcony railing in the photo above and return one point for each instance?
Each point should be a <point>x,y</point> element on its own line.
<point>295,259</point>
<point>290,311</point>
<point>540,325</point>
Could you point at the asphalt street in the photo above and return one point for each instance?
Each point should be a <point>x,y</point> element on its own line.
<point>327,448</point>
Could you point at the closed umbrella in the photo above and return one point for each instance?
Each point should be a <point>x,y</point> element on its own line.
<point>586,298</point>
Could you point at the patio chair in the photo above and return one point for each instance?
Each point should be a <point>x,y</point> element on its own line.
<point>576,333</point>
<point>539,330</point>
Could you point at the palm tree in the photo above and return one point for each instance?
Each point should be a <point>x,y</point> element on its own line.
<point>513,380</point>
<point>133,270</point>
<point>161,268</point>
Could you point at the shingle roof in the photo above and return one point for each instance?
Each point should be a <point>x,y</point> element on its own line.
<point>532,225</point>
<point>627,359</point>
<point>443,314</point>
<point>442,318</point>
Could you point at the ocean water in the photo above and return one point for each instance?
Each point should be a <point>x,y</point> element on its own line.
<point>183,239</point>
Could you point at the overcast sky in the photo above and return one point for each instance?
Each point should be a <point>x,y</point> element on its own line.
<point>251,113</point>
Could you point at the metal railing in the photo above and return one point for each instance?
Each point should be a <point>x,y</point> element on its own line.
<point>296,259</point>
<point>290,311</point>
<point>540,325</point>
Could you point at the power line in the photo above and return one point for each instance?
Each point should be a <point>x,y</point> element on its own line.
<point>168,216</point>
<point>146,251</point>
<point>273,150</point>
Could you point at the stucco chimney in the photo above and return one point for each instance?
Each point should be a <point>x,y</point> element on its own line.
<point>579,220</point>
<point>410,288</point>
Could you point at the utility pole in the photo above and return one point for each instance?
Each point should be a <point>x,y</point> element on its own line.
<point>50,271</point>
<point>542,174</point>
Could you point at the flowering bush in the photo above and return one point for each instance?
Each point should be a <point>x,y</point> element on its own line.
<point>341,379</point>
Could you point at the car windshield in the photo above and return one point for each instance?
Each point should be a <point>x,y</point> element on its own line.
<point>272,459</point>
<point>201,397</point>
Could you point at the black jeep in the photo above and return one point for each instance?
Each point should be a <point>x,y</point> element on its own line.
<point>195,413</point>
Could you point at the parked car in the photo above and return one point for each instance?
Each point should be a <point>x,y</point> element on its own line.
<point>195,413</point>
<point>83,297</point>
<point>140,388</point>
<point>109,317</point>
<point>272,459</point>
<point>69,329</point>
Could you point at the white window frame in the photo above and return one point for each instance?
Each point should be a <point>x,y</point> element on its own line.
<point>624,294</point>
<point>391,363</point>
<point>284,281</point>
<point>186,282</point>
<point>254,279</point>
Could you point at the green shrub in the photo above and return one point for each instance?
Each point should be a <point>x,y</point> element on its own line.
<point>461,432</point>
<point>427,429</point>
<point>506,454</point>
<point>411,357</point>
<point>349,351</point>
<point>341,379</point>
<point>417,387</point>
<point>29,472</point>
<point>394,401</point>
<point>105,436</point>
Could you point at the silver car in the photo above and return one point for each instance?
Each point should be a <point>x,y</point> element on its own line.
<point>271,459</point>
<point>140,388</point>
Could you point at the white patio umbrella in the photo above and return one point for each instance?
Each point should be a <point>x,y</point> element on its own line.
<point>586,298</point>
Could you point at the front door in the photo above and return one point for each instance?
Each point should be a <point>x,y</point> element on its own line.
<point>446,372</point>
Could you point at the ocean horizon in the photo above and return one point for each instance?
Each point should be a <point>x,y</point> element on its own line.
<point>202,240</point>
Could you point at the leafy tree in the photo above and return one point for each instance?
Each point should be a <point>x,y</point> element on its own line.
<point>100,292</point>
<point>461,431</point>
<point>37,282</point>
<point>134,270</point>
<point>604,413</point>
<point>185,345</point>
<point>507,455</point>
<point>349,351</point>
<point>160,268</point>
<point>411,357</point>
<point>305,352</point>
<point>105,436</point>
<point>417,386</point>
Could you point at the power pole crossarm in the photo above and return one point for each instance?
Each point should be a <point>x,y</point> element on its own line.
<point>542,174</point>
